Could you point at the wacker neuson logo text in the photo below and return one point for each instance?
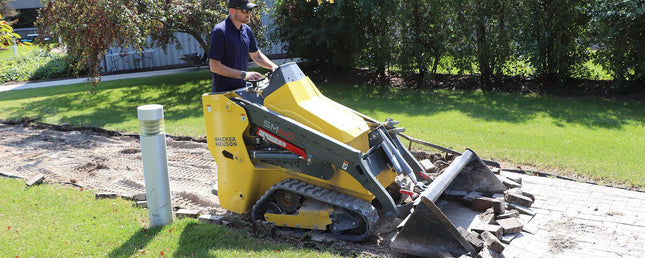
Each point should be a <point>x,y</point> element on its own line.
<point>225,141</point>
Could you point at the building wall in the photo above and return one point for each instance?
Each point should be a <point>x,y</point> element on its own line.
<point>25,4</point>
<point>119,59</point>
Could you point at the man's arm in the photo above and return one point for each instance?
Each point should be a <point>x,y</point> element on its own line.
<point>259,58</point>
<point>223,70</point>
<point>217,67</point>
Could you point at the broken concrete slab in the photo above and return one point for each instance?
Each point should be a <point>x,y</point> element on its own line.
<point>428,166</point>
<point>35,180</point>
<point>496,230</point>
<point>105,195</point>
<point>483,203</point>
<point>472,238</point>
<point>506,239</point>
<point>135,197</point>
<point>510,225</point>
<point>142,204</point>
<point>487,217</point>
<point>213,219</point>
<point>508,214</point>
<point>508,182</point>
<point>515,178</point>
<point>186,213</point>
<point>492,242</point>
<point>521,209</point>
<point>531,227</point>
<point>517,197</point>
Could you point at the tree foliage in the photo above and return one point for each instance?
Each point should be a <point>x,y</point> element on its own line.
<point>89,27</point>
<point>551,36</point>
<point>426,35</point>
<point>484,30</point>
<point>326,35</point>
<point>618,29</point>
<point>7,36</point>
<point>194,17</point>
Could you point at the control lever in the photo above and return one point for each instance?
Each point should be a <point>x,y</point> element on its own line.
<point>255,84</point>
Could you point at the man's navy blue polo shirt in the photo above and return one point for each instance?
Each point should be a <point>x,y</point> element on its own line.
<point>231,47</point>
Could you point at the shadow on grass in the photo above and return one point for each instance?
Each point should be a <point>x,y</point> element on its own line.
<point>206,240</point>
<point>136,242</point>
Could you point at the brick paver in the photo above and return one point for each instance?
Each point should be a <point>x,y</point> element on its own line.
<point>581,220</point>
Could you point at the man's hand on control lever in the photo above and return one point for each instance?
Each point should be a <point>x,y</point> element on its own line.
<point>252,76</point>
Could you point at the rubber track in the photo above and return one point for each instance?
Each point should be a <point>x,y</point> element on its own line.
<point>363,208</point>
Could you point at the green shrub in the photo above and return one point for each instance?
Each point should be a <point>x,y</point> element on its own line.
<point>34,65</point>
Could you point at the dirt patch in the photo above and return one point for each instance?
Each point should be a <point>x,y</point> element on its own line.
<point>561,238</point>
<point>106,161</point>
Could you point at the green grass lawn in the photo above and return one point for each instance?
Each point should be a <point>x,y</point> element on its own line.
<point>59,221</point>
<point>595,138</point>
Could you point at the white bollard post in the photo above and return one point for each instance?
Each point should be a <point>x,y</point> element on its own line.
<point>15,48</point>
<point>155,164</point>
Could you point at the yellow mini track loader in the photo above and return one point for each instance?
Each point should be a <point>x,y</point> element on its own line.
<point>288,155</point>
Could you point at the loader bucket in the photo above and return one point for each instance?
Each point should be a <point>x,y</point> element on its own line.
<point>429,230</point>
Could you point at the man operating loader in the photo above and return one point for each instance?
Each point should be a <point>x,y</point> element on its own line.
<point>232,42</point>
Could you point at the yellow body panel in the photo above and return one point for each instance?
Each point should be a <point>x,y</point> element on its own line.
<point>312,215</point>
<point>303,102</point>
<point>237,177</point>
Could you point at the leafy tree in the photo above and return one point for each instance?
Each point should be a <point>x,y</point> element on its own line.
<point>375,19</point>
<point>326,35</point>
<point>426,35</point>
<point>619,32</point>
<point>552,35</point>
<point>482,31</point>
<point>89,27</point>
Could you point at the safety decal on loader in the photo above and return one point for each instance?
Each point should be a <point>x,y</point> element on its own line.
<point>345,165</point>
<point>282,143</point>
